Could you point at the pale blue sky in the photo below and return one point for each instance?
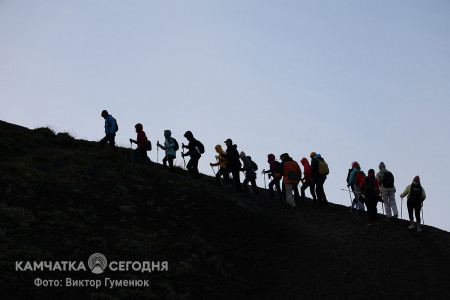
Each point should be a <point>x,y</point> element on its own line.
<point>352,80</point>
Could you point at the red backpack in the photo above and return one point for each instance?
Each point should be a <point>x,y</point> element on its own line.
<point>359,177</point>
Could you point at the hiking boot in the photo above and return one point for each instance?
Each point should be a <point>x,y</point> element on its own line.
<point>412,226</point>
<point>419,228</point>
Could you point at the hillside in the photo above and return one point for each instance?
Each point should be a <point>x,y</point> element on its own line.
<point>63,199</point>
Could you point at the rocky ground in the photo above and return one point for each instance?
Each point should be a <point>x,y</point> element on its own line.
<point>63,200</point>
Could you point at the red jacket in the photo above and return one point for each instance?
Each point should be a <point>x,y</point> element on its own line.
<point>306,169</point>
<point>141,137</point>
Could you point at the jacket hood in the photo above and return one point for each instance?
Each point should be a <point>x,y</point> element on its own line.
<point>219,148</point>
<point>287,158</point>
<point>416,179</point>
<point>242,154</point>
<point>167,133</point>
<point>270,158</point>
<point>138,127</point>
<point>189,135</point>
<point>305,161</point>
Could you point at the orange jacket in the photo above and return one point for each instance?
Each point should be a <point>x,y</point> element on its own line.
<point>291,172</point>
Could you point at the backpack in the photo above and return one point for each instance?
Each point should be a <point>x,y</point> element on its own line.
<point>369,189</point>
<point>415,193</point>
<point>148,145</point>
<point>117,126</point>
<point>388,180</point>
<point>176,146</point>
<point>200,148</point>
<point>348,175</point>
<point>277,170</point>
<point>323,168</point>
<point>254,165</point>
<point>359,176</point>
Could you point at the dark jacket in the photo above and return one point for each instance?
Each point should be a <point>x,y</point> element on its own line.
<point>275,166</point>
<point>232,156</point>
<point>192,146</point>
<point>249,172</point>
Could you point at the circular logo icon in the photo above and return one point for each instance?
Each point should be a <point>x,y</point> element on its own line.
<point>97,263</point>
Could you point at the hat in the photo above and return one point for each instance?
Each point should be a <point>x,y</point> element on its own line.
<point>354,164</point>
<point>312,154</point>
<point>416,179</point>
<point>242,155</point>
<point>228,140</point>
<point>371,171</point>
<point>284,155</point>
<point>188,134</point>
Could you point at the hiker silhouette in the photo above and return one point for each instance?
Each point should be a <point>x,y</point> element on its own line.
<point>169,147</point>
<point>274,172</point>
<point>416,196</point>
<point>222,164</point>
<point>140,153</point>
<point>386,180</point>
<point>194,151</point>
<point>250,174</point>
<point>319,175</point>
<point>233,163</point>
<point>111,128</point>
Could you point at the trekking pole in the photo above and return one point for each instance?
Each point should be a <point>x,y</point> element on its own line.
<point>131,149</point>
<point>264,174</point>
<point>230,174</point>
<point>157,153</point>
<point>401,209</point>
<point>213,170</point>
<point>183,156</point>
<point>220,174</point>
<point>350,195</point>
<point>218,170</point>
<point>423,220</point>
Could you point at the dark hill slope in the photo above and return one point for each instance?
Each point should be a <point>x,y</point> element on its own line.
<point>64,199</point>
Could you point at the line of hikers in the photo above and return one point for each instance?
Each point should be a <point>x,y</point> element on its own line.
<point>285,175</point>
<point>371,189</point>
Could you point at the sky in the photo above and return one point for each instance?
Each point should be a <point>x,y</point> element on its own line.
<point>353,80</point>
